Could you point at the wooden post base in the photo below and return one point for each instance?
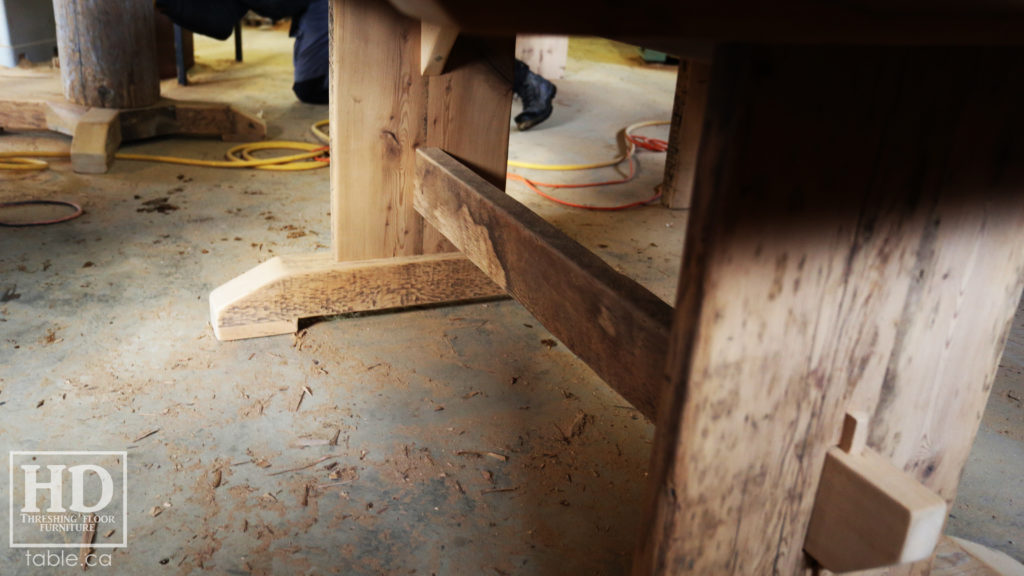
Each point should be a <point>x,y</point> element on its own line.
<point>271,298</point>
<point>98,132</point>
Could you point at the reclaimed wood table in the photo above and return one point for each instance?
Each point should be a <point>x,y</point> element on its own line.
<point>111,88</point>
<point>855,178</point>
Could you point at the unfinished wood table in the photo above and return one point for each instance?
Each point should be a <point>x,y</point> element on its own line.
<point>855,246</point>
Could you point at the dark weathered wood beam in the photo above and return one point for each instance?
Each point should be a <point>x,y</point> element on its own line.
<point>615,325</point>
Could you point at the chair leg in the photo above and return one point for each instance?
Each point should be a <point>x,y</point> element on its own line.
<point>179,56</point>
<point>238,41</point>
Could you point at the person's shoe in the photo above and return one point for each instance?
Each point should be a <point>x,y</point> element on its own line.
<point>537,94</point>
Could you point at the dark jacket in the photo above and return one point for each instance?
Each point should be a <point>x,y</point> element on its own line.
<point>217,18</point>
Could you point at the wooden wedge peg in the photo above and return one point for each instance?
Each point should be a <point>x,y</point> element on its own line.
<point>868,513</point>
<point>855,433</point>
<point>436,44</point>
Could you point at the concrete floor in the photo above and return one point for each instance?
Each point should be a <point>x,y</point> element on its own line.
<point>467,439</point>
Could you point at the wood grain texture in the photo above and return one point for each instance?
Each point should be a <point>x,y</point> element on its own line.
<point>165,118</point>
<point>612,323</point>
<point>107,52</point>
<point>40,114</point>
<point>377,110</point>
<point>470,105</point>
<point>22,115</point>
<point>210,119</point>
<point>382,109</point>
<point>63,116</point>
<point>96,140</point>
<point>435,44</point>
<point>272,297</point>
<point>468,113</point>
<point>684,134</point>
<point>856,243</point>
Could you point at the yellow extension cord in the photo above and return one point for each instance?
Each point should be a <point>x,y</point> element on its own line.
<point>237,157</point>
<point>241,156</point>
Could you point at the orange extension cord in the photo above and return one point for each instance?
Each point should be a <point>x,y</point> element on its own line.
<point>632,143</point>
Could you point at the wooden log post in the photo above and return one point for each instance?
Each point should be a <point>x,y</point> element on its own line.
<point>107,52</point>
<point>856,243</point>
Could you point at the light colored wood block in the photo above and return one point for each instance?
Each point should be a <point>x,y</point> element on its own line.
<point>435,44</point>
<point>868,513</point>
<point>272,297</point>
<point>62,117</point>
<point>544,54</point>
<point>22,112</point>
<point>611,322</point>
<point>97,137</point>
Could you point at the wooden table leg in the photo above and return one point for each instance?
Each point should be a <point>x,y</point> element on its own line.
<point>382,110</point>
<point>684,134</point>
<point>856,244</point>
<point>107,53</point>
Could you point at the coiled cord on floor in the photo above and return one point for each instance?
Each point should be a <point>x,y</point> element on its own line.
<point>75,213</point>
<point>311,156</point>
<point>632,143</point>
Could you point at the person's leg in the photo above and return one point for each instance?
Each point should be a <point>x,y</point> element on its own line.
<point>312,91</point>
<point>536,93</point>
<point>311,55</point>
<point>519,78</point>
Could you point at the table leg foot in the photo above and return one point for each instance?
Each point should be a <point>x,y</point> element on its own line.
<point>98,132</point>
<point>271,298</point>
<point>175,117</point>
<point>96,139</point>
